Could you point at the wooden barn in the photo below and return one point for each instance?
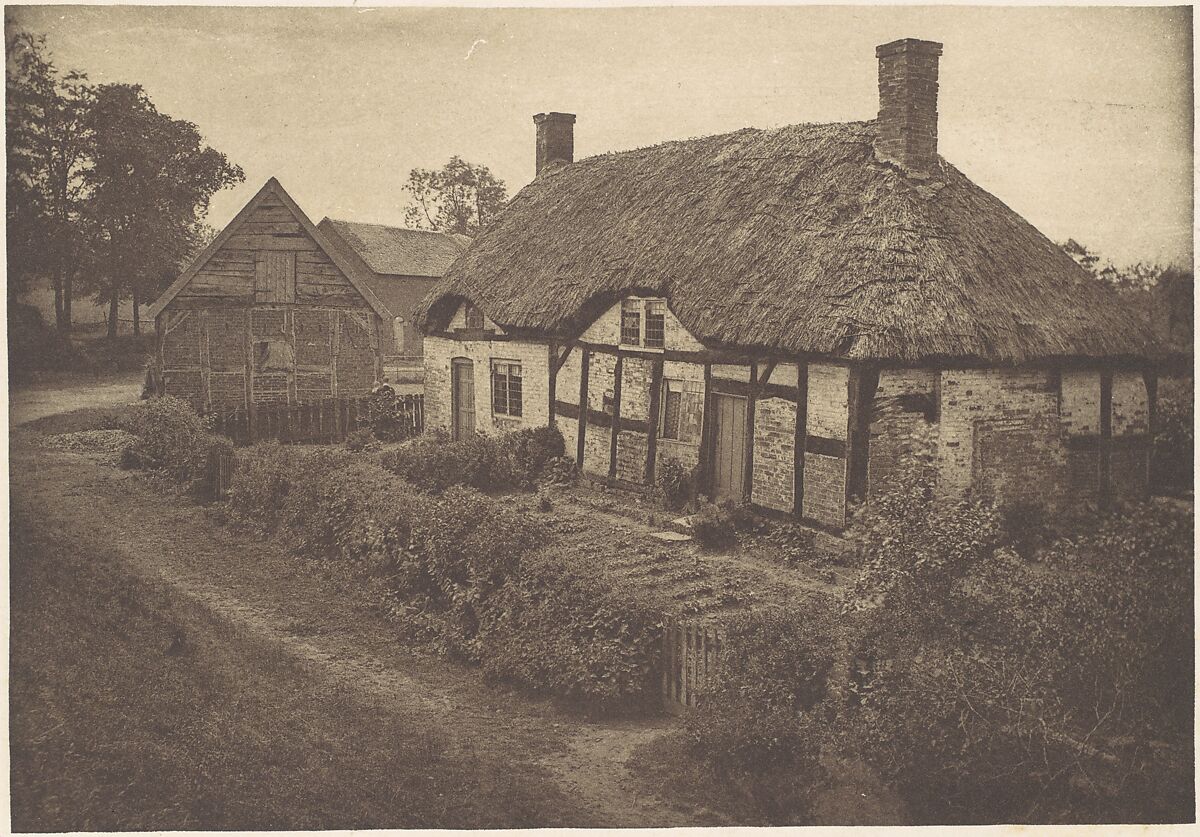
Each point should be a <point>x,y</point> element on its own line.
<point>400,266</point>
<point>269,313</point>
<point>793,313</point>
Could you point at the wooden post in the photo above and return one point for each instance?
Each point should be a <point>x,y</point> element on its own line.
<point>656,380</point>
<point>616,417</point>
<point>801,438</point>
<point>707,426</point>
<point>1105,463</point>
<point>1150,377</point>
<point>748,432</point>
<point>584,361</point>
<point>552,384</point>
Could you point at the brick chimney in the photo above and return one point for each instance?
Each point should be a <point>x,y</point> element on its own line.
<point>908,88</point>
<point>555,139</point>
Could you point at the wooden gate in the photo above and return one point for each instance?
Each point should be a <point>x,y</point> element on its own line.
<point>689,661</point>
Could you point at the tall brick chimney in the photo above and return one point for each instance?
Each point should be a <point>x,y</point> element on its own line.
<point>555,139</point>
<point>908,88</point>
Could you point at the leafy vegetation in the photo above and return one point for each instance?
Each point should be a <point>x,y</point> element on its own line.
<point>460,197</point>
<point>456,570</point>
<point>106,195</point>
<point>986,686</point>
<point>514,460</point>
<point>173,438</point>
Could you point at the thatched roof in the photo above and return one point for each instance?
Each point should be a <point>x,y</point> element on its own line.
<point>398,250</point>
<point>795,240</point>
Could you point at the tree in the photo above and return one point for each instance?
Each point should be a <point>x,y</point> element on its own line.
<point>47,155</point>
<point>460,197</point>
<point>150,183</point>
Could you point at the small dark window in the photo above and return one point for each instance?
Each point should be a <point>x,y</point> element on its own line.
<point>506,388</point>
<point>631,322</point>
<point>655,324</point>
<point>474,317</point>
<point>273,356</point>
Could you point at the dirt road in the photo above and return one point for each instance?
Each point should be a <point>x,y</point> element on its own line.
<point>36,401</point>
<point>240,600</point>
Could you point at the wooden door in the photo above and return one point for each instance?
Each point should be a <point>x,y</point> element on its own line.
<point>729,453</point>
<point>463,397</point>
<point>275,276</point>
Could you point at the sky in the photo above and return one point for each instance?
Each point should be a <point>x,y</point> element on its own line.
<point>1078,118</point>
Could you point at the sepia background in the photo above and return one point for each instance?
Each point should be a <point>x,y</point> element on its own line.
<point>340,104</point>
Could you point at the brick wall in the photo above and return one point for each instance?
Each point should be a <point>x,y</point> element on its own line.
<point>903,424</point>
<point>535,367</point>
<point>828,415</point>
<point>1021,459</point>
<point>601,390</point>
<point>972,396</point>
<point>774,454</point>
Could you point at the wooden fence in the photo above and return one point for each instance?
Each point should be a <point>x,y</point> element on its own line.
<point>689,661</point>
<point>318,422</point>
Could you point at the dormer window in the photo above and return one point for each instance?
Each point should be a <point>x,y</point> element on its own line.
<point>631,322</point>
<point>643,323</point>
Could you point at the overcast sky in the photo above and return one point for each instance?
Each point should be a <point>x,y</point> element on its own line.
<point>1078,118</point>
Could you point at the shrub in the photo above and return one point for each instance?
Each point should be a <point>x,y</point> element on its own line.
<point>675,484</point>
<point>388,415</point>
<point>360,440</point>
<point>716,526</point>
<point>435,463</point>
<point>763,722</point>
<point>514,460</point>
<point>559,628</point>
<point>172,437</point>
<point>992,689</point>
<point>33,345</point>
<point>456,569</point>
<point>1174,440</point>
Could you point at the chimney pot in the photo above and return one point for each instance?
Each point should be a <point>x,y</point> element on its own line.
<point>908,89</point>
<point>555,139</point>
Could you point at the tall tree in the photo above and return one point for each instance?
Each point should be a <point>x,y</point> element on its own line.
<point>48,152</point>
<point>150,183</point>
<point>460,197</point>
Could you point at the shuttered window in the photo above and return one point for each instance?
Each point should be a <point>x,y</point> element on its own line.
<point>506,388</point>
<point>474,316</point>
<point>682,411</point>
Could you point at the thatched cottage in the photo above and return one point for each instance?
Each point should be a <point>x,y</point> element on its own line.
<point>269,313</point>
<point>787,310</point>
<point>400,266</point>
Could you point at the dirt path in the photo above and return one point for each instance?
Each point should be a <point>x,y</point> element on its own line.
<point>25,404</point>
<point>254,586</point>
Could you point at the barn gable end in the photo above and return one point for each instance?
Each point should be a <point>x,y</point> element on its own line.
<point>267,314</point>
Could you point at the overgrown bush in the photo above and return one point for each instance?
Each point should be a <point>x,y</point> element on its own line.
<point>1174,436</point>
<point>675,484</point>
<point>716,526</point>
<point>360,440</point>
<point>172,437</point>
<point>388,415</point>
<point>457,570</point>
<point>514,460</point>
<point>763,722</point>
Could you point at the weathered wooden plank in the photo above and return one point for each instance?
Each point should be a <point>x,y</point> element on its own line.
<point>256,226</point>
<point>272,242</point>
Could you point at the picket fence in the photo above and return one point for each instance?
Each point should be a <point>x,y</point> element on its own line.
<point>690,652</point>
<point>318,422</point>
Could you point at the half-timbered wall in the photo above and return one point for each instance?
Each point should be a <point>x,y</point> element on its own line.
<point>821,431</point>
<point>268,319</point>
